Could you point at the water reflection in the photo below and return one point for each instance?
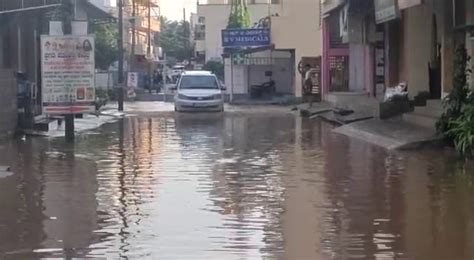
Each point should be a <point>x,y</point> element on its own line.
<point>234,186</point>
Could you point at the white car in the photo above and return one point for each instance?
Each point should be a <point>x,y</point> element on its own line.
<point>199,91</point>
<point>176,71</point>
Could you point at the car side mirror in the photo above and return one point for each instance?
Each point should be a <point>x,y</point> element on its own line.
<point>223,87</point>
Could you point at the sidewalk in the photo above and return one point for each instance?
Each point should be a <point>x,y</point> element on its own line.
<point>361,123</point>
<point>391,133</point>
<point>87,123</point>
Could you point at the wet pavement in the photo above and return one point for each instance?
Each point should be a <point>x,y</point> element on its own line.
<point>252,183</point>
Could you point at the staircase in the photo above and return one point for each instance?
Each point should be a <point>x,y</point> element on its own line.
<point>426,116</point>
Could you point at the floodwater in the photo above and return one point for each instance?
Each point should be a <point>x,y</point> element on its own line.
<point>234,186</point>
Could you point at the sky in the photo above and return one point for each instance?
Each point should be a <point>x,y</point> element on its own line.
<point>173,9</point>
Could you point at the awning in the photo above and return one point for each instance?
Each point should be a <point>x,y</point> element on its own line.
<point>94,12</point>
<point>15,6</point>
<point>228,51</point>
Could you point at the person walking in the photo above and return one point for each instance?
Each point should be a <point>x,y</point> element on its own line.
<point>308,86</point>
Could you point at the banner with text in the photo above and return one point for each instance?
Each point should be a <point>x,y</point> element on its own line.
<point>67,74</point>
<point>235,38</point>
<point>385,10</point>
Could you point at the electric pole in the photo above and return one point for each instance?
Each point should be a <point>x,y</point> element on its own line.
<point>186,35</point>
<point>150,59</point>
<point>120,61</point>
<point>134,37</point>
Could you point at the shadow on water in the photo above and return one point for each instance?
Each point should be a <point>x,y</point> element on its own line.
<point>233,186</point>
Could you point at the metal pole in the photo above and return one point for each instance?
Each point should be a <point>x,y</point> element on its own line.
<point>69,127</point>
<point>150,59</point>
<point>231,77</point>
<point>134,41</point>
<point>120,61</point>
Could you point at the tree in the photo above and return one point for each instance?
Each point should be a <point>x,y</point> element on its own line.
<point>215,67</point>
<point>174,39</point>
<point>239,15</point>
<point>106,49</point>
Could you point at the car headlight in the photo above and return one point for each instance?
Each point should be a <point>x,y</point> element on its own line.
<point>217,96</point>
<point>181,96</point>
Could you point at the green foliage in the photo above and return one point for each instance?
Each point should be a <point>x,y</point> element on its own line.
<point>174,39</point>
<point>462,131</point>
<point>106,48</point>
<point>456,123</point>
<point>239,16</point>
<point>215,67</point>
<point>102,97</point>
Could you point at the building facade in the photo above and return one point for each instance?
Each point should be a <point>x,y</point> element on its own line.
<point>297,29</point>
<point>22,24</point>
<point>296,33</point>
<point>142,22</point>
<point>213,16</point>
<point>370,46</point>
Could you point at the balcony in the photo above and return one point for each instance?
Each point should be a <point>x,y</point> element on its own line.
<point>141,49</point>
<point>141,24</point>
<point>153,3</point>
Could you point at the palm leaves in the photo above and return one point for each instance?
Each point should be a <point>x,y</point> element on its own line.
<point>239,15</point>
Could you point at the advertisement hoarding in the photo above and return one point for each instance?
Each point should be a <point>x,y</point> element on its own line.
<point>67,74</point>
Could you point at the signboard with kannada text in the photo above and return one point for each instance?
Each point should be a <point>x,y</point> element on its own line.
<point>237,38</point>
<point>67,74</point>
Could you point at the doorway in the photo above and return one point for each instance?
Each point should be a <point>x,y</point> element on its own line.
<point>434,65</point>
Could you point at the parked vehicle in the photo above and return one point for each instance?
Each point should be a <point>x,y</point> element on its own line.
<point>199,91</point>
<point>176,71</point>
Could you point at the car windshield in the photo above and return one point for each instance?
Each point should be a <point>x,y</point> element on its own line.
<point>198,82</point>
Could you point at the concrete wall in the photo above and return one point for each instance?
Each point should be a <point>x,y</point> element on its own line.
<point>216,18</point>
<point>298,27</point>
<point>417,29</point>
<point>239,85</point>
<point>416,47</point>
<point>8,113</point>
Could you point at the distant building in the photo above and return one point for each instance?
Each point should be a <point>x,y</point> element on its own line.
<point>411,41</point>
<point>213,16</point>
<point>139,33</point>
<point>296,33</point>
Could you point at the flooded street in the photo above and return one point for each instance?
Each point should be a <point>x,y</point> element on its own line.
<point>243,185</point>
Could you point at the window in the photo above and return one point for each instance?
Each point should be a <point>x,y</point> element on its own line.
<point>198,82</point>
<point>199,36</point>
<point>202,19</point>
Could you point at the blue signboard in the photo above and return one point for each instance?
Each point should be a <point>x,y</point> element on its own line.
<point>235,38</point>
